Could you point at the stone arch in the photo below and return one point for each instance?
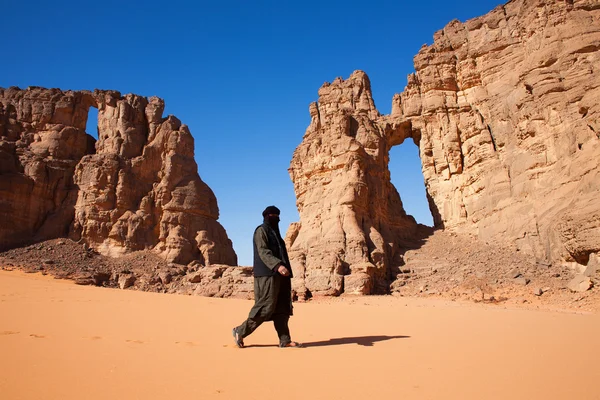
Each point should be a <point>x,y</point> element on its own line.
<point>137,188</point>
<point>353,228</point>
<point>397,134</point>
<point>508,138</point>
<point>91,126</point>
<point>406,176</point>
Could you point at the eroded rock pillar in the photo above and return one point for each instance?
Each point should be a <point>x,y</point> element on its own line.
<point>351,217</point>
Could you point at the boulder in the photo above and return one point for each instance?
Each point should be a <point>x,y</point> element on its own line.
<point>580,283</point>
<point>165,277</point>
<point>126,280</point>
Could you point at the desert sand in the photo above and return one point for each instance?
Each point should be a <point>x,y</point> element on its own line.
<point>63,341</point>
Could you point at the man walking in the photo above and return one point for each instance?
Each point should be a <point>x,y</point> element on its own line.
<point>272,282</point>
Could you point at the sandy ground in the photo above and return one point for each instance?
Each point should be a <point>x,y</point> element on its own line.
<point>63,341</point>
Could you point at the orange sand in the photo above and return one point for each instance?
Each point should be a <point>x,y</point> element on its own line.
<point>62,341</point>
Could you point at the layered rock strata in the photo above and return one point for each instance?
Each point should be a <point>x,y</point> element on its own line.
<point>505,111</point>
<point>136,187</point>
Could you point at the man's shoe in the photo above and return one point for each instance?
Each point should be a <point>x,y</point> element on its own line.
<point>291,344</point>
<point>239,342</point>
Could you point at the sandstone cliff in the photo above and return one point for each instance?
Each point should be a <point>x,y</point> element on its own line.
<point>505,108</point>
<point>505,111</point>
<point>136,187</point>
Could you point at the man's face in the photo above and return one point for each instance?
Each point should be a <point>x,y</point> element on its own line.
<point>273,217</point>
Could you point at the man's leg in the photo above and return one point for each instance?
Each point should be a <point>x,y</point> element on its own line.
<point>265,293</point>
<point>281,326</point>
<point>282,313</point>
<point>255,319</point>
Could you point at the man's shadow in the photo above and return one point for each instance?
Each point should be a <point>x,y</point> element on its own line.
<point>359,340</point>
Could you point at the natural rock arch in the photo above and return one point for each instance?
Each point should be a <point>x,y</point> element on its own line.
<point>505,111</point>
<point>352,224</point>
<point>136,187</point>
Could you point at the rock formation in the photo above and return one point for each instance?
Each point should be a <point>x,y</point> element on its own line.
<point>136,187</point>
<point>505,108</point>
<point>139,270</point>
<point>505,111</point>
<point>351,218</point>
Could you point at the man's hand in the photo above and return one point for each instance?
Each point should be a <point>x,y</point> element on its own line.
<point>283,270</point>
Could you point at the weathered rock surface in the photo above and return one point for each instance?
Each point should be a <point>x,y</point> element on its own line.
<point>580,283</point>
<point>351,216</point>
<point>136,188</point>
<point>42,139</point>
<point>505,110</point>
<point>126,280</point>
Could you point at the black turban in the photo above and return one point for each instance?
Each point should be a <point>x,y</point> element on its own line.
<point>271,210</point>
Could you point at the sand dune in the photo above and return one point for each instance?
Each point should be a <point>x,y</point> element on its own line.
<point>63,341</point>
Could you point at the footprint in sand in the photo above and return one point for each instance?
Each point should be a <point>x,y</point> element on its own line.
<point>190,344</point>
<point>9,333</point>
<point>35,335</point>
<point>93,337</point>
<point>134,341</point>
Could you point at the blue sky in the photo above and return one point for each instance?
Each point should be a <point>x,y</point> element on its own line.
<point>240,74</point>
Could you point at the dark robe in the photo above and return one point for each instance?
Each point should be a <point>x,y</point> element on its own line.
<point>272,291</point>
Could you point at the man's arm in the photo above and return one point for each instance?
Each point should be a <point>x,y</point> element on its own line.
<point>262,245</point>
<point>266,255</point>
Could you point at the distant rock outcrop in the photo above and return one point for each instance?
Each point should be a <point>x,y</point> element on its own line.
<point>136,187</point>
<point>505,109</point>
